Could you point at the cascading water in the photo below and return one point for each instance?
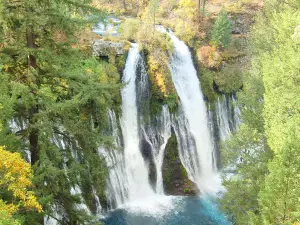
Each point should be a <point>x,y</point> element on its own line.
<point>237,114</point>
<point>157,136</point>
<point>223,118</point>
<point>136,169</point>
<point>117,183</point>
<point>154,130</point>
<point>202,168</point>
<point>128,182</point>
<point>227,116</point>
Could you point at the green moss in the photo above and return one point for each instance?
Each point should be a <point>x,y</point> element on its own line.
<point>172,155</point>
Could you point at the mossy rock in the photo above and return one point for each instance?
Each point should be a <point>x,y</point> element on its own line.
<point>175,177</point>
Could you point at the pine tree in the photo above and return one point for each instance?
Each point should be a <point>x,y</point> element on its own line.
<point>56,89</point>
<point>221,31</point>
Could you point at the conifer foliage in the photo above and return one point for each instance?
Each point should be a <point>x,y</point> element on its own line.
<point>55,89</point>
<point>221,31</point>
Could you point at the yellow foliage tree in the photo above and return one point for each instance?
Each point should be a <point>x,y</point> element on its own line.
<point>16,177</point>
<point>186,26</point>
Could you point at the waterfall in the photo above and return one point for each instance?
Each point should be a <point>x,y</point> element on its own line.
<point>196,145</point>
<point>186,145</point>
<point>224,119</point>
<point>237,114</point>
<point>117,183</point>
<point>227,116</point>
<point>155,131</point>
<point>136,169</point>
<point>157,135</point>
<point>128,184</point>
<point>164,132</point>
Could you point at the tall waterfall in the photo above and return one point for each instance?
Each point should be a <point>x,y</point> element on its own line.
<point>136,169</point>
<point>199,160</point>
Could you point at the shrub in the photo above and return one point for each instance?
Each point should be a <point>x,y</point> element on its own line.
<point>221,31</point>
<point>207,85</point>
<point>129,29</point>
<point>229,79</point>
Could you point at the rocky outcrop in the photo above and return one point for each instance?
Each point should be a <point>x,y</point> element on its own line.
<point>175,178</point>
<point>107,48</point>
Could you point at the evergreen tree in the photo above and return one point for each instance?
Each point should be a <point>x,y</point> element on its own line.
<point>53,86</point>
<point>221,31</point>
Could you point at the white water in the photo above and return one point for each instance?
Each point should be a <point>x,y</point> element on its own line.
<point>117,183</point>
<point>159,151</point>
<point>157,136</point>
<point>237,114</point>
<point>199,162</point>
<point>136,169</point>
<point>135,193</point>
<point>223,118</point>
<point>228,116</point>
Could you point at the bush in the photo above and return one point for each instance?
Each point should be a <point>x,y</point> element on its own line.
<point>207,85</point>
<point>221,31</point>
<point>229,79</point>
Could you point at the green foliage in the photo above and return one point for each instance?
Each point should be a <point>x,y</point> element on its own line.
<point>279,66</point>
<point>207,84</point>
<point>279,197</point>
<point>6,218</point>
<point>221,31</point>
<point>247,151</point>
<point>129,29</point>
<point>229,79</point>
<point>272,121</point>
<point>59,92</point>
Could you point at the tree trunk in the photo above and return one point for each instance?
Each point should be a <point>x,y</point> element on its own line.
<point>33,135</point>
<point>124,4</point>
<point>34,132</point>
<point>199,16</point>
<point>31,44</point>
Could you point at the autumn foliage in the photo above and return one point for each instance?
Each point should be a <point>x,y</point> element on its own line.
<point>16,177</point>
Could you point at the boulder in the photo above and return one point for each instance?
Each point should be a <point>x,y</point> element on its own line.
<point>175,177</point>
<point>107,48</point>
